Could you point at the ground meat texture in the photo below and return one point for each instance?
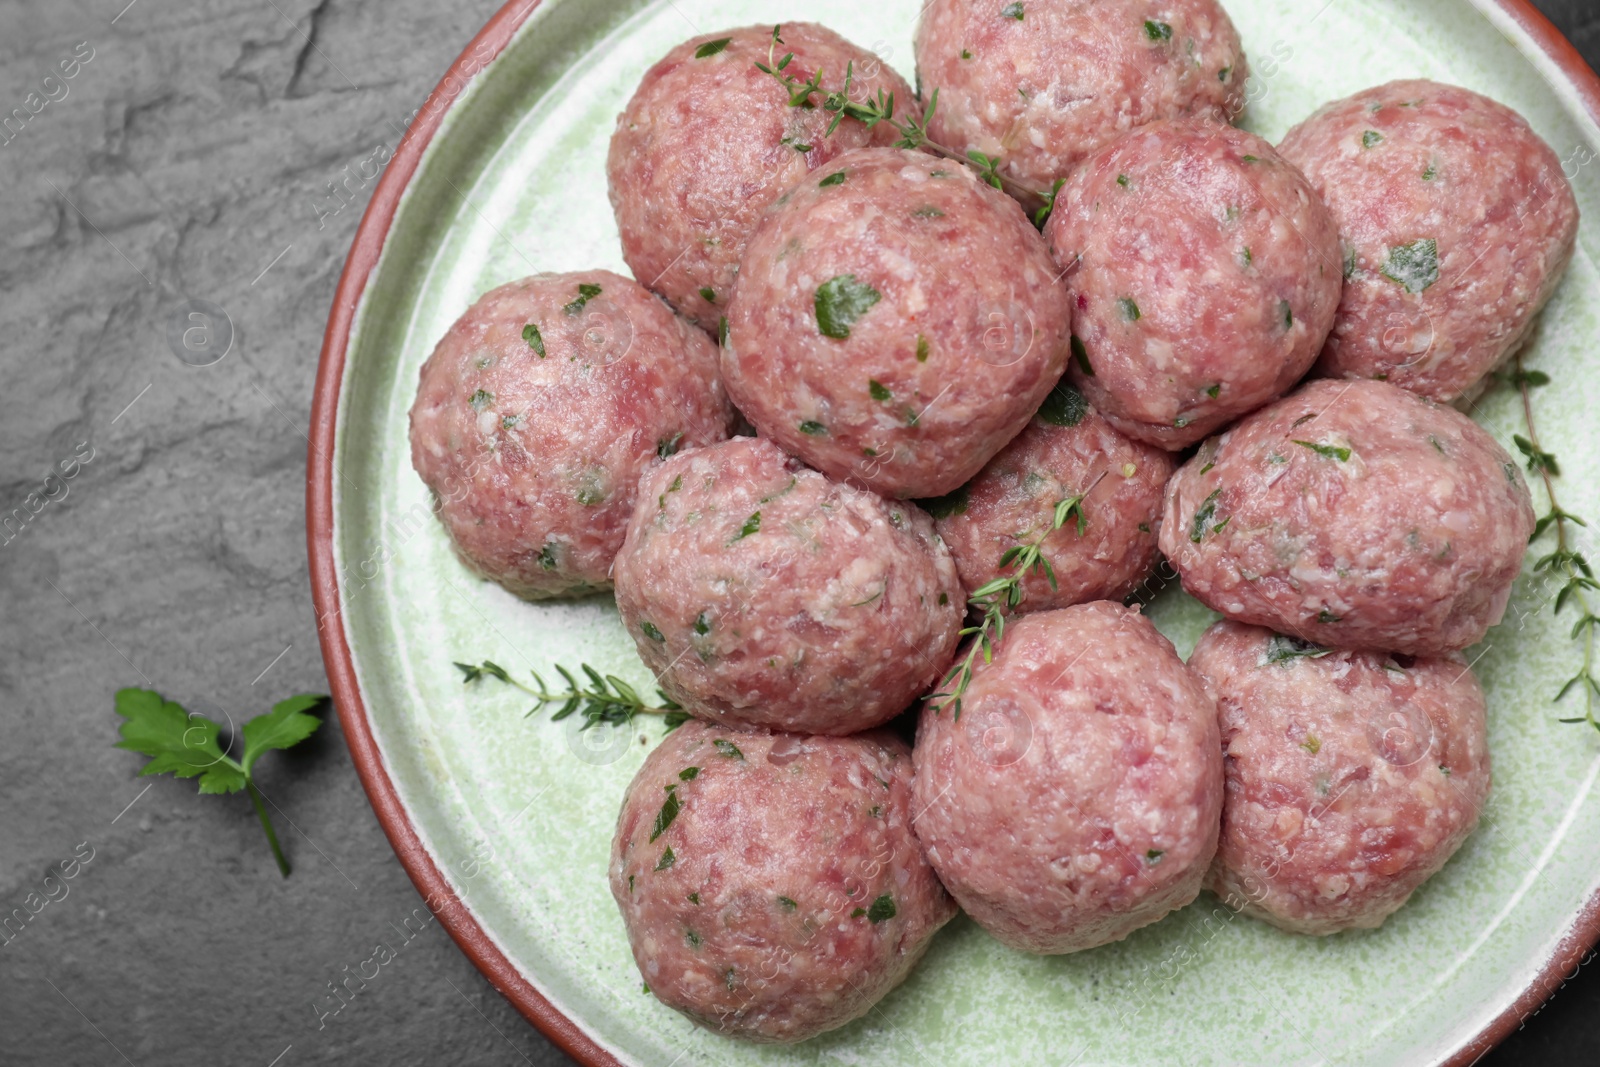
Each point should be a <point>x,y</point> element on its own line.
<point>897,321</point>
<point>1078,795</point>
<point>763,594</point>
<point>708,142</point>
<point>1204,272</point>
<point>538,411</point>
<point>1043,83</point>
<point>770,883</point>
<point>1351,776</point>
<point>1068,453</point>
<point>1354,515</point>
<point>1457,223</point>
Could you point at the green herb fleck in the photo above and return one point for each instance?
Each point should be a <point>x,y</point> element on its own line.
<point>1281,649</point>
<point>1370,138</point>
<point>669,445</point>
<point>1325,617</point>
<point>711,48</point>
<point>840,301</point>
<point>1214,391</point>
<point>722,331</point>
<point>1157,31</point>
<point>1207,509</point>
<point>727,748</point>
<point>669,811</point>
<point>708,294</point>
<point>1430,173</point>
<point>1081,354</point>
<point>651,631</point>
<point>693,938</point>
<point>530,334</point>
<point>689,774</point>
<point>877,391</point>
<point>586,293</point>
<point>881,909</point>
<point>1122,180</point>
<point>965,54</point>
<point>927,211</point>
<point>836,178</point>
<point>667,859</point>
<point>1130,310</point>
<point>812,428</point>
<point>509,422</point>
<point>1244,254</point>
<point>694,898</point>
<point>922,349</point>
<point>1012,11</point>
<point>751,525</point>
<point>787,904</point>
<point>1065,406</point>
<point>1154,855</point>
<point>952,503</point>
<point>1311,744</point>
<point>1285,313</point>
<point>1337,452</point>
<point>1415,266</point>
<point>1250,159</point>
<point>481,399</point>
<point>1222,75</point>
<point>547,556</point>
<point>701,624</point>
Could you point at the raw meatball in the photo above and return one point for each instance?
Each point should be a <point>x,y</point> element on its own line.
<point>538,411</point>
<point>897,321</point>
<point>1078,795</point>
<point>763,594</point>
<point>1351,776</point>
<point>1204,272</point>
<point>1068,452</point>
<point>1457,224</point>
<point>708,142</point>
<point>1354,515</point>
<point>770,883</point>
<point>1043,83</point>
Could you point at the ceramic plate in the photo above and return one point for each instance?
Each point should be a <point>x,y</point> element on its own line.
<point>505,821</point>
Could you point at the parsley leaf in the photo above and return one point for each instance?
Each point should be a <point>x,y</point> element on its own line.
<point>1282,649</point>
<point>1157,31</point>
<point>711,48</point>
<point>184,745</point>
<point>669,811</point>
<point>883,908</point>
<point>877,390</point>
<point>1081,354</point>
<point>727,748</point>
<point>530,334</point>
<point>751,525</point>
<point>1370,138</point>
<point>840,301</point>
<point>1415,266</point>
<point>1203,515</point>
<point>836,178</point>
<point>586,293</point>
<point>1012,11</point>
<point>1065,406</point>
<point>1327,451</point>
<point>1130,310</point>
<point>812,429</point>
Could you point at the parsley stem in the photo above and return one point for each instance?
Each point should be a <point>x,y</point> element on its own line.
<point>1564,560</point>
<point>266,824</point>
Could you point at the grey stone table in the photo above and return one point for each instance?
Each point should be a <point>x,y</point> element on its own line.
<point>211,150</point>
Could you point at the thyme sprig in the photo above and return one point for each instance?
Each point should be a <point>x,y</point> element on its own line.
<point>1565,563</point>
<point>605,701</point>
<point>996,597</point>
<point>913,131</point>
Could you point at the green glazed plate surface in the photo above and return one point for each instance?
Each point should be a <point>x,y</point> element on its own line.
<point>518,811</point>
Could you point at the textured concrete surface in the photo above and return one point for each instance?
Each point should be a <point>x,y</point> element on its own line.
<point>190,156</point>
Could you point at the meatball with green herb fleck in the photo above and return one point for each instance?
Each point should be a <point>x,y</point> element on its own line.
<point>762,593</point>
<point>1352,514</point>
<point>1204,272</point>
<point>1457,224</point>
<point>897,321</point>
<point>709,141</point>
<point>770,882</point>
<point>1076,793</point>
<point>1039,84</point>
<point>538,411</point>
<point>1070,461</point>
<point>1351,776</point>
